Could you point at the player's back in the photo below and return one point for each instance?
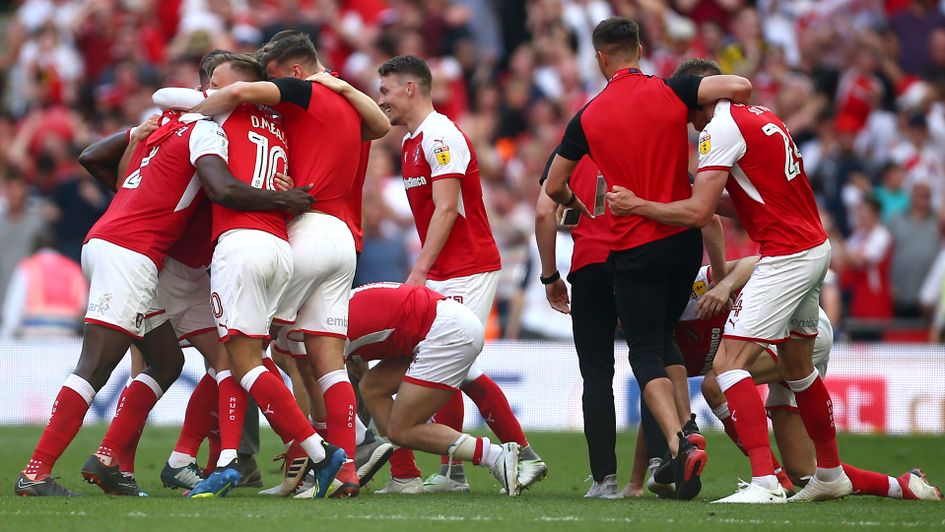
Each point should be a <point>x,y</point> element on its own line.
<point>157,198</point>
<point>768,185</point>
<point>636,130</point>
<point>258,149</point>
<point>325,142</point>
<point>389,319</point>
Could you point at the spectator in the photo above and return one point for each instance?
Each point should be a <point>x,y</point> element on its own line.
<point>891,194</point>
<point>46,296</point>
<point>20,225</point>
<point>385,256</point>
<point>79,202</point>
<point>912,27</point>
<point>866,259</point>
<point>917,238</point>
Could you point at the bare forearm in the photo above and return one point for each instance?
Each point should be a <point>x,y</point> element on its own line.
<point>440,226</point>
<point>222,101</point>
<point>375,122</point>
<point>239,196</point>
<point>546,235</point>
<point>102,158</point>
<point>683,213</point>
<point>713,237</point>
<point>740,272</point>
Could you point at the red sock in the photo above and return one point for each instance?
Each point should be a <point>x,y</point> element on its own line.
<point>213,445</point>
<point>403,464</point>
<point>867,482</point>
<point>278,405</point>
<point>232,409</point>
<point>451,415</point>
<point>751,425</point>
<point>816,410</point>
<point>126,458</point>
<point>134,405</point>
<point>729,427</point>
<point>494,408</point>
<point>341,407</point>
<point>271,366</point>
<point>68,411</point>
<point>200,417</point>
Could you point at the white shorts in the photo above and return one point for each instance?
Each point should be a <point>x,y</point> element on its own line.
<point>781,299</point>
<point>779,395</point>
<point>316,301</point>
<point>123,286</point>
<point>443,358</point>
<point>185,293</point>
<point>249,275</point>
<point>476,292</point>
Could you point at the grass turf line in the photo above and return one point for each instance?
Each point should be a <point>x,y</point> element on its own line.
<point>555,503</point>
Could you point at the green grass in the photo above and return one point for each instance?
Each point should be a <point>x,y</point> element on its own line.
<point>555,503</point>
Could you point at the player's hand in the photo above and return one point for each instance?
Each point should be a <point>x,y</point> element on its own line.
<point>714,302</point>
<point>282,182</point>
<point>416,278</point>
<point>557,294</point>
<point>298,200</point>
<point>632,491</point>
<point>579,205</point>
<point>144,130</point>
<point>335,84</point>
<point>622,201</point>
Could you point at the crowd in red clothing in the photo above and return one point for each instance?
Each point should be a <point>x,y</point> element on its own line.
<point>860,84</point>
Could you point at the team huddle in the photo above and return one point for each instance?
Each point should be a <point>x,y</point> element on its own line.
<point>236,229</point>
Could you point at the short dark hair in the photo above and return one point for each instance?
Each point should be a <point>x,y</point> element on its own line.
<point>617,35</point>
<point>873,203</point>
<point>698,66</point>
<point>409,65</point>
<point>207,64</point>
<point>288,45</point>
<point>243,63</point>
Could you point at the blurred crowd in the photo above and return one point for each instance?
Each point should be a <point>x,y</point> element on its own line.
<point>860,84</point>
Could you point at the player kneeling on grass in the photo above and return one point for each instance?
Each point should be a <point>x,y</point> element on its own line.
<point>426,344</point>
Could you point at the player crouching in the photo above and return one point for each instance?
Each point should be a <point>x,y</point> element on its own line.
<point>426,344</point>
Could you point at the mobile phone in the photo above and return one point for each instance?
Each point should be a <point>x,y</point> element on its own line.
<point>570,217</point>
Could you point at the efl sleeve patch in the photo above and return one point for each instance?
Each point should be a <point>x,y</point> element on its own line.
<point>441,152</point>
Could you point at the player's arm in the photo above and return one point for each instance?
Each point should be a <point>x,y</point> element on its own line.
<point>725,207</point>
<point>221,187</point>
<point>137,135</point>
<point>445,210</point>
<point>177,98</point>
<point>573,146</point>
<point>732,278</point>
<point>101,158</point>
<point>713,239</point>
<point>546,236</point>
<point>694,211</point>
<point>695,91</point>
<point>231,96</point>
<point>374,123</point>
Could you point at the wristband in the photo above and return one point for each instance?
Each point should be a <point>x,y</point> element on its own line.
<point>550,279</point>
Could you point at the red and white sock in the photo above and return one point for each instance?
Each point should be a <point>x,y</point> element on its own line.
<point>495,409</point>
<point>479,451</point>
<point>451,415</point>
<point>342,407</point>
<point>278,405</point>
<point>199,419</point>
<point>872,483</point>
<point>751,424</point>
<point>816,409</point>
<point>68,412</point>
<point>131,414</point>
<point>232,403</point>
<point>403,464</point>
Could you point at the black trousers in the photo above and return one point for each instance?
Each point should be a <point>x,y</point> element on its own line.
<point>652,284</point>
<point>594,319</point>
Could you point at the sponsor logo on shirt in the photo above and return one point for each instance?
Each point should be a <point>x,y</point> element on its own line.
<point>412,182</point>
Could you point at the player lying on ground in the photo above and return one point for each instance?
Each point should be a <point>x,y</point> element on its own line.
<point>698,333</point>
<point>425,343</point>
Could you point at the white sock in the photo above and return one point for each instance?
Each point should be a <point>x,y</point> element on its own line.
<point>226,456</point>
<point>828,474</point>
<point>802,384</point>
<point>464,448</point>
<point>491,453</point>
<point>80,386</point>
<point>359,431</point>
<point>721,411</point>
<point>313,447</point>
<point>180,459</point>
<point>768,482</point>
<point>317,425</point>
<point>895,490</point>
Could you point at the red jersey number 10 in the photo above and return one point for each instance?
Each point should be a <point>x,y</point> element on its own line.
<point>268,161</point>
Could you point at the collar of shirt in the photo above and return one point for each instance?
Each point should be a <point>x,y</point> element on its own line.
<point>625,72</point>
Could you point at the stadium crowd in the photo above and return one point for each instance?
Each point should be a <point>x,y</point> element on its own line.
<point>860,84</point>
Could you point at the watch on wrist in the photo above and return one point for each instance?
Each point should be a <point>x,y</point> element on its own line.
<point>550,279</point>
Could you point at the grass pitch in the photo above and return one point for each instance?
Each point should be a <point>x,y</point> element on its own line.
<point>554,504</point>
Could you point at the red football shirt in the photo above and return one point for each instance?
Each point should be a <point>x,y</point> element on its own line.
<point>355,200</point>
<point>325,142</point>
<point>699,339</point>
<point>157,198</point>
<point>389,320</point>
<point>195,247</point>
<point>439,150</point>
<point>258,150</point>
<point>767,183</point>
<point>636,130</point>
